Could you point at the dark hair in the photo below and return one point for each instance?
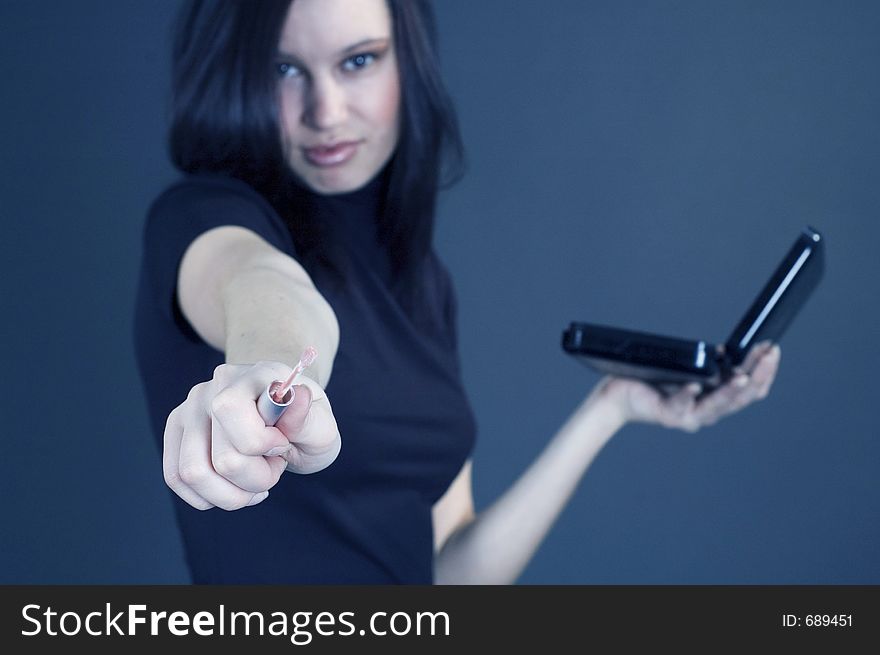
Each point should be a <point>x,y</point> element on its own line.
<point>225,120</point>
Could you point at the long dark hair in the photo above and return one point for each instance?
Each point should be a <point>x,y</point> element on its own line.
<point>224,119</point>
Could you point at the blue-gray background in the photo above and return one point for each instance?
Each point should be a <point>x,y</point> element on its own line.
<point>643,164</point>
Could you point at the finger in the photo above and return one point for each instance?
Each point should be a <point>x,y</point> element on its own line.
<point>722,401</point>
<point>766,370</point>
<point>258,498</point>
<point>694,389</point>
<point>252,473</point>
<point>197,471</point>
<point>738,392</point>
<point>317,442</point>
<point>318,425</point>
<point>681,395</point>
<point>746,396</point>
<point>292,421</point>
<point>170,464</point>
<point>675,411</point>
<point>239,435</point>
<point>756,385</point>
<point>755,353</point>
<point>234,412</point>
<point>278,465</point>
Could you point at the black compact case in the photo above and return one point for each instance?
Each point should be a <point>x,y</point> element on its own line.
<point>667,361</point>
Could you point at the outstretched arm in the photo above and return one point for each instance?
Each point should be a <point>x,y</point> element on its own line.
<point>494,546</point>
<point>259,307</point>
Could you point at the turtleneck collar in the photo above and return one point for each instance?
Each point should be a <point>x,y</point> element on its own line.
<point>354,213</point>
<point>351,224</point>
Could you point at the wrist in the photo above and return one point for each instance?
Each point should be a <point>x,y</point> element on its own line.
<point>610,399</point>
<point>599,416</point>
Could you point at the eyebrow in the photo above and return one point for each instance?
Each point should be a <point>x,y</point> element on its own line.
<point>378,41</point>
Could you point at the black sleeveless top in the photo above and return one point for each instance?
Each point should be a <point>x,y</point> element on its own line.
<point>396,393</point>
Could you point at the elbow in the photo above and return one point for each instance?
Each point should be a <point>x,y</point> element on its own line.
<point>327,340</point>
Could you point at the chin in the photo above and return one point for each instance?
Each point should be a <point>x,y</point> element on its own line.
<point>333,184</point>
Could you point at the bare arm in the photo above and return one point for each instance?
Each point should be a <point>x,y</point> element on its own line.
<point>258,306</point>
<point>494,546</point>
<point>255,303</point>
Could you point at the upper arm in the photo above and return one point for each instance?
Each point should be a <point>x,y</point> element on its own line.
<point>455,509</point>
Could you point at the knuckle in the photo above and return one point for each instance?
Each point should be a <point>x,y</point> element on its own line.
<point>192,475</point>
<point>173,417</point>
<point>222,404</point>
<point>195,392</point>
<point>251,445</point>
<point>227,464</point>
<point>246,441</point>
<point>172,477</point>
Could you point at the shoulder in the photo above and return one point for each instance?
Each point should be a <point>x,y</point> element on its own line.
<point>436,268</point>
<point>439,274</point>
<point>196,203</point>
<point>193,191</point>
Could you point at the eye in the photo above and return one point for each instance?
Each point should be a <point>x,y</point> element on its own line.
<point>357,62</point>
<point>287,70</point>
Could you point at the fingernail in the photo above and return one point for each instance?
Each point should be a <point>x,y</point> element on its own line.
<point>278,450</point>
<point>740,381</point>
<point>260,497</point>
<point>304,389</point>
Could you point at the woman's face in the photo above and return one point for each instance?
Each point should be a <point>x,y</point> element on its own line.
<point>339,92</point>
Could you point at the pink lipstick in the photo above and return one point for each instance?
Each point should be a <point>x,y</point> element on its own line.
<point>279,395</point>
<point>331,155</point>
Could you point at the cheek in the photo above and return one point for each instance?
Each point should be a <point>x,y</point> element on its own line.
<point>386,107</point>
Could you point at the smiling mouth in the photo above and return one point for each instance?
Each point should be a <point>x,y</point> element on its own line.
<point>333,155</point>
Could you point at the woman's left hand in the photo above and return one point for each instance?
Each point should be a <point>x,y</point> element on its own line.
<point>640,402</point>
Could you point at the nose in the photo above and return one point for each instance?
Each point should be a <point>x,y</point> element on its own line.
<point>326,105</point>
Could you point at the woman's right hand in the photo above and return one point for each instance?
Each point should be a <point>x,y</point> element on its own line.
<point>218,452</point>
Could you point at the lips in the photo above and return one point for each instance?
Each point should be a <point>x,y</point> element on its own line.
<point>334,154</point>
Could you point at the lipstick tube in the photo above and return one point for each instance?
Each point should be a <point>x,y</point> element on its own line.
<point>271,410</point>
<point>279,395</point>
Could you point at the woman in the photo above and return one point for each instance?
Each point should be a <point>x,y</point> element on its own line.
<point>313,135</point>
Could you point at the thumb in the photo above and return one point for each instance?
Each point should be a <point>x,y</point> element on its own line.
<point>294,419</point>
